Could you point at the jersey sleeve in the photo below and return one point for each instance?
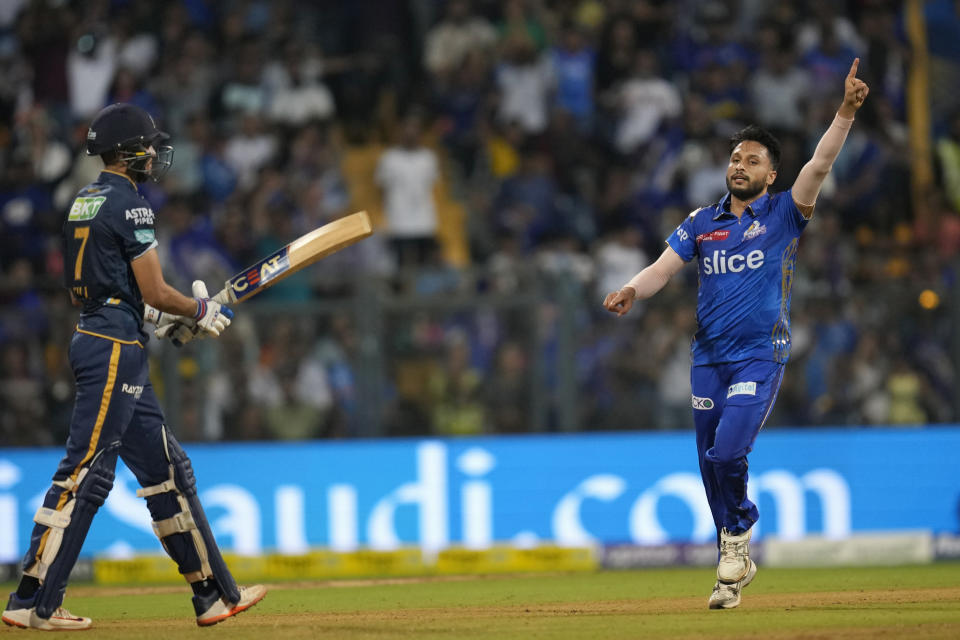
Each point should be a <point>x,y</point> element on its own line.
<point>134,223</point>
<point>683,239</point>
<point>788,213</point>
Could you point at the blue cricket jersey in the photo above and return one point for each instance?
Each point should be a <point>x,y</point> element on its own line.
<point>746,270</point>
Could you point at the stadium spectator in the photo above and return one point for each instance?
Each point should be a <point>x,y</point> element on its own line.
<point>407,174</point>
<point>558,124</point>
<point>458,34</point>
<point>644,101</point>
<point>525,82</point>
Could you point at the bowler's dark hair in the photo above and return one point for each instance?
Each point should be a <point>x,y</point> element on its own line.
<point>761,136</point>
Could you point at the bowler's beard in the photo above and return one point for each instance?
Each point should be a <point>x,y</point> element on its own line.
<point>747,192</point>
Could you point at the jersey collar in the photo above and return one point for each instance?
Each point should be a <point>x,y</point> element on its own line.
<point>755,208</point>
<point>113,175</point>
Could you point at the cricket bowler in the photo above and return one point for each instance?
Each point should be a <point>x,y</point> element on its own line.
<point>111,270</point>
<point>746,248</point>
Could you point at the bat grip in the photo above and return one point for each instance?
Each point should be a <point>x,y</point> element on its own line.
<point>224,297</point>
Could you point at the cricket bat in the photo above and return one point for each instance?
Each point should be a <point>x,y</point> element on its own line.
<point>300,253</point>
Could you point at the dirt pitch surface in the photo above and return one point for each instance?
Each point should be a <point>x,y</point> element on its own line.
<point>894,602</point>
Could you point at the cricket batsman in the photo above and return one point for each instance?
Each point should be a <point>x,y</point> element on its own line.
<point>746,248</point>
<point>112,272</point>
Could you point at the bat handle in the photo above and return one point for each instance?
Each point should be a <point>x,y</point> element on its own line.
<point>224,297</point>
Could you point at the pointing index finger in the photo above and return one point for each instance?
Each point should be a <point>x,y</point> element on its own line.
<point>853,68</point>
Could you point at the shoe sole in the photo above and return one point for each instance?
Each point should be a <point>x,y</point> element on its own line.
<point>19,625</point>
<point>747,579</point>
<point>237,609</point>
<point>13,623</point>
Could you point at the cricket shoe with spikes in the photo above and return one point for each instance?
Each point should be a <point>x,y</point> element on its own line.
<point>23,614</point>
<point>213,609</point>
<point>734,556</point>
<point>726,595</point>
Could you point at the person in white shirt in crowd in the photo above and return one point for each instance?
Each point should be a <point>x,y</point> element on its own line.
<point>779,91</point>
<point>297,92</point>
<point>644,100</point>
<point>457,34</point>
<point>526,82</point>
<point>250,149</point>
<point>620,253</point>
<point>406,174</point>
<point>91,65</point>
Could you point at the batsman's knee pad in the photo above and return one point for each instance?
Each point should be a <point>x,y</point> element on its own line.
<point>68,526</point>
<point>181,525</point>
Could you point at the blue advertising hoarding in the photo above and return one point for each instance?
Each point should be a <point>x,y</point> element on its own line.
<point>640,488</point>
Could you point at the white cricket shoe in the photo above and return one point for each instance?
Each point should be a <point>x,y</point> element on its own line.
<point>219,610</point>
<point>21,613</point>
<point>734,556</point>
<point>727,595</point>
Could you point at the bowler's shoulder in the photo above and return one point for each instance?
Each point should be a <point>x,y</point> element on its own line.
<point>698,216</point>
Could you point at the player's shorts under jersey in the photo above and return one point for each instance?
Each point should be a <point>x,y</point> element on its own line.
<point>746,268</point>
<point>108,226</point>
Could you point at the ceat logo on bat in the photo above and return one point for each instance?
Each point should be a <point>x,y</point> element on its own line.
<point>260,273</point>
<point>713,235</point>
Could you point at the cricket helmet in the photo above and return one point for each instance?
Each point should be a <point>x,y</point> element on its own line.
<point>129,130</point>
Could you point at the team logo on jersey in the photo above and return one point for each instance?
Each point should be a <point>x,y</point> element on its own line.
<point>742,389</point>
<point>713,235</point>
<point>85,208</point>
<point>754,230</point>
<point>703,404</point>
<point>140,215</point>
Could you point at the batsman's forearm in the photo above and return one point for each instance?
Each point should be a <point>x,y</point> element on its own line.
<point>807,187</point>
<point>169,300</point>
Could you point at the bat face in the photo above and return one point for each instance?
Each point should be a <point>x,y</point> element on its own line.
<point>300,253</point>
<point>249,282</point>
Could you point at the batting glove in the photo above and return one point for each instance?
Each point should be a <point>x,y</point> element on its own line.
<point>180,329</point>
<point>211,317</point>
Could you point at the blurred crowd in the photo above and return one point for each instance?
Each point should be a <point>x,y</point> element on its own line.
<point>575,134</point>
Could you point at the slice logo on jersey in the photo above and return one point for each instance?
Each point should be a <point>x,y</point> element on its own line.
<point>742,389</point>
<point>719,262</point>
<point>703,404</point>
<point>140,215</point>
<point>754,230</point>
<point>719,234</point>
<point>85,208</point>
<point>144,235</point>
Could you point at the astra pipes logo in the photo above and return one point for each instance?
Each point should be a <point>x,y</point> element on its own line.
<point>139,215</point>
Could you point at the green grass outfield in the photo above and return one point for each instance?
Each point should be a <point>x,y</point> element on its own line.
<point>888,602</point>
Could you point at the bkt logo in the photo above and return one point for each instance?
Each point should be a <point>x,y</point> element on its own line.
<point>721,263</point>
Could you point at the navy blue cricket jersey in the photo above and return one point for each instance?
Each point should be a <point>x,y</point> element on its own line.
<point>108,226</point>
<point>746,270</point>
